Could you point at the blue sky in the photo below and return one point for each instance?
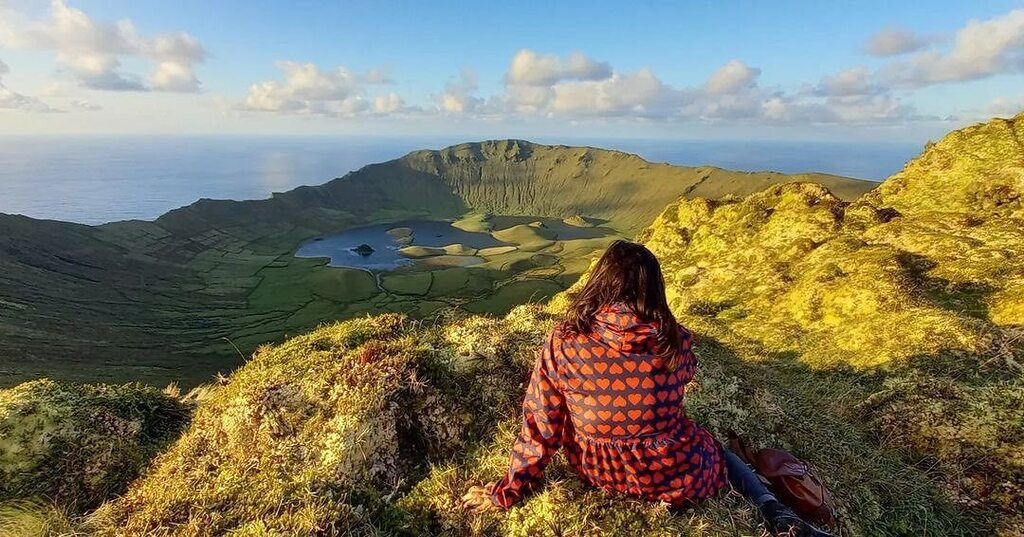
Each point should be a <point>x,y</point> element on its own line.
<point>794,70</point>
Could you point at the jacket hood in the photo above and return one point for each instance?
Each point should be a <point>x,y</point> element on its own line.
<point>618,323</point>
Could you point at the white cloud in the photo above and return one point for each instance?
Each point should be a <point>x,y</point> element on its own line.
<point>12,100</point>
<point>1004,107</point>
<point>788,109</point>
<point>378,75</point>
<point>638,94</point>
<point>557,90</point>
<point>731,78</point>
<point>92,50</point>
<point>746,105</point>
<point>175,55</point>
<point>853,81</point>
<point>853,96</point>
<point>580,86</point>
<point>528,99</point>
<point>387,104</point>
<point>458,94</point>
<point>529,68</point>
<point>893,41</point>
<point>81,104</point>
<point>870,108</point>
<point>980,49</point>
<point>307,89</point>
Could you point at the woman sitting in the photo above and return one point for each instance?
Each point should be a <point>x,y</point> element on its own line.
<point>608,389</point>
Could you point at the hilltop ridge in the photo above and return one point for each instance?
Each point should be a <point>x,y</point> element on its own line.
<point>506,177</point>
<point>522,177</point>
<point>993,150</point>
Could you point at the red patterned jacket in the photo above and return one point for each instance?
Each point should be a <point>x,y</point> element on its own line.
<point>606,399</point>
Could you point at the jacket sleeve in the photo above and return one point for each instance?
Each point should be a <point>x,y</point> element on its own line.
<point>544,413</point>
<point>688,360</point>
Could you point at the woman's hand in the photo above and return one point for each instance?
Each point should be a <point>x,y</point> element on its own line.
<point>478,499</point>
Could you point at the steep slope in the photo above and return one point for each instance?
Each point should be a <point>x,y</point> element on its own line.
<point>180,298</point>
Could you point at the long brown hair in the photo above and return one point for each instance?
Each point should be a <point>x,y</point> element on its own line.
<point>629,274</point>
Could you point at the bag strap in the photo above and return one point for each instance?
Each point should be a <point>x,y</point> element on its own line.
<point>741,447</point>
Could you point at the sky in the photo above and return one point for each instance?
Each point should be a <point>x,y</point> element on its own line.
<point>743,70</point>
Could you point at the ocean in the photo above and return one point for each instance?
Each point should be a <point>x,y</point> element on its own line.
<point>93,180</point>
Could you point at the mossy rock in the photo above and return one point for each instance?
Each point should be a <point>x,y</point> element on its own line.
<point>296,452</point>
<point>81,444</point>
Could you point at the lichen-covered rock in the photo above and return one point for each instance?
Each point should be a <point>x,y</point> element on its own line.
<point>978,170</point>
<point>81,444</point>
<point>780,267</point>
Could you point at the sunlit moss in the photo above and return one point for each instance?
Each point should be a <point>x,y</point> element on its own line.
<point>80,444</point>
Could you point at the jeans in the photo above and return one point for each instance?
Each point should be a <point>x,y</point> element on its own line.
<point>745,481</point>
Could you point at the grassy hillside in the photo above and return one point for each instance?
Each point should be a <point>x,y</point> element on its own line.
<point>185,296</point>
<point>401,417</point>
<point>908,301</point>
<point>877,339</point>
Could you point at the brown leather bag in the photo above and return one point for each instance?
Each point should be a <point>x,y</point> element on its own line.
<point>792,480</point>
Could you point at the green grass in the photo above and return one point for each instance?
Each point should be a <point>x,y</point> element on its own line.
<point>37,518</point>
<point>513,293</point>
<point>408,283</point>
<point>343,285</point>
<point>526,237</point>
<point>421,251</point>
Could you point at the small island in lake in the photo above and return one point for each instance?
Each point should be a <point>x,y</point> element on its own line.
<point>363,249</point>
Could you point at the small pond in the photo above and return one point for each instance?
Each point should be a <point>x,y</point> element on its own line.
<point>339,247</point>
